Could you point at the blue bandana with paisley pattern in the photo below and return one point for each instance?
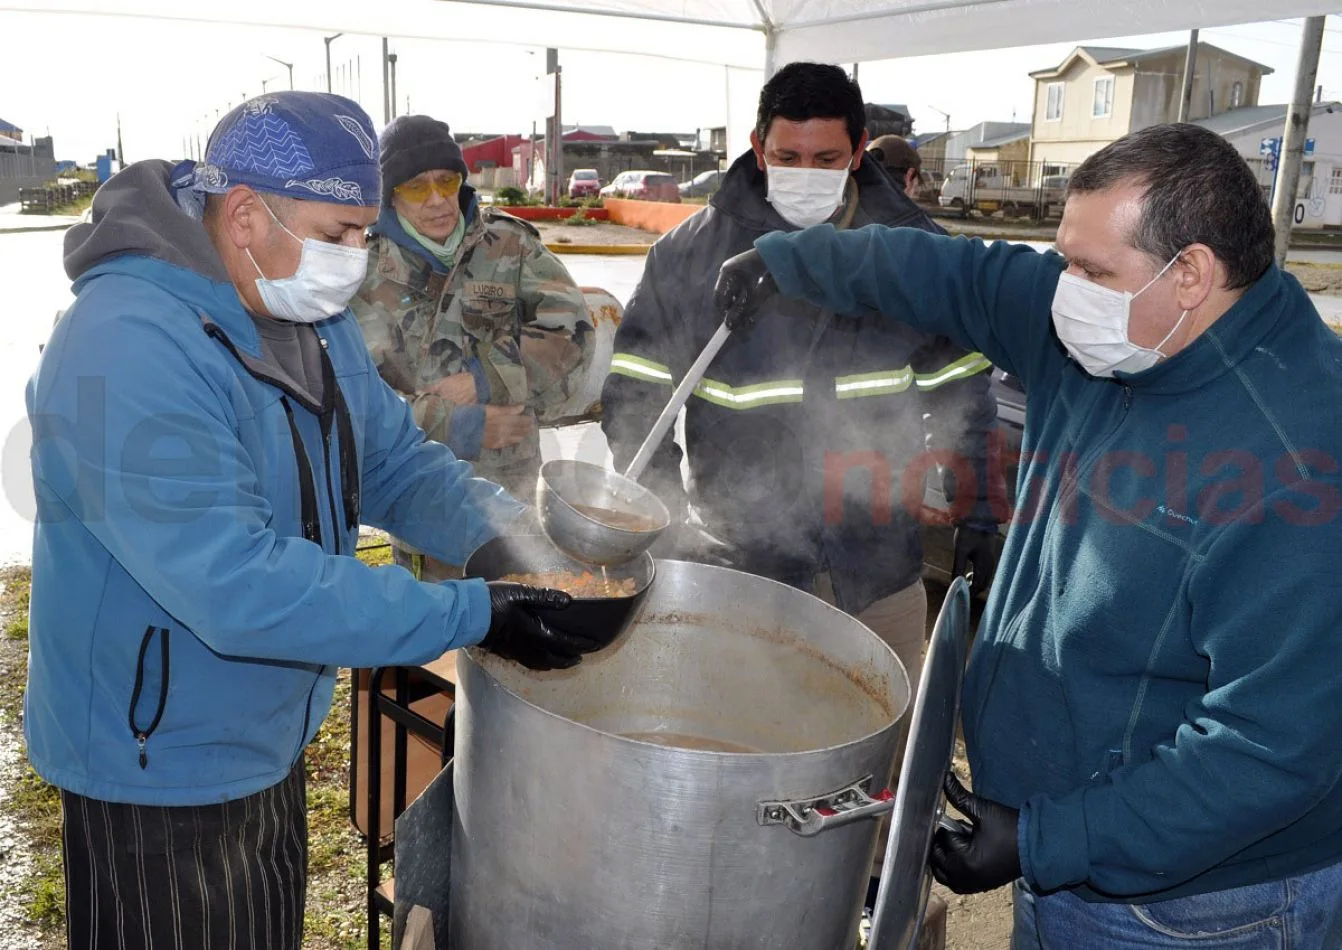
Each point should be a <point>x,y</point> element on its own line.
<point>310,145</point>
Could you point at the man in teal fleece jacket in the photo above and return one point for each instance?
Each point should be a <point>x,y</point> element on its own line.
<point>1153,706</point>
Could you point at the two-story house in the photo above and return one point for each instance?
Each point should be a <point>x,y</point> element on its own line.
<point>1100,94</point>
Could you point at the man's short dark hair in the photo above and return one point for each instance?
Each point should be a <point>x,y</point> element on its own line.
<point>896,154</point>
<point>802,91</point>
<point>1199,191</point>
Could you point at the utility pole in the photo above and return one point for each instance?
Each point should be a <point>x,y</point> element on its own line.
<point>391,62</point>
<point>1190,68</point>
<point>531,160</point>
<point>554,166</point>
<point>386,85</point>
<point>288,66</point>
<point>328,40</point>
<point>1293,139</point>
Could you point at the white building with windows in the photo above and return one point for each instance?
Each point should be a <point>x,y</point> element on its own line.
<point>1319,198</point>
<point>1097,95</point>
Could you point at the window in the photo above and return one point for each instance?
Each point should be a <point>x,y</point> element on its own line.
<point>1053,112</point>
<point>1237,95</point>
<point>1104,98</point>
<point>1335,183</point>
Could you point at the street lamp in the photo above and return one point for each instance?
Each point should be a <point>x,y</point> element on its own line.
<point>946,114</point>
<point>290,67</point>
<point>266,82</point>
<point>328,40</point>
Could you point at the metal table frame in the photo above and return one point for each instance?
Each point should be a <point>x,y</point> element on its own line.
<point>397,707</point>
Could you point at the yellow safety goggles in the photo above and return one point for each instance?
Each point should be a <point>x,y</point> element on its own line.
<point>417,191</point>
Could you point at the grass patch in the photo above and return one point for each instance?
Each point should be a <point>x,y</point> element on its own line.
<point>76,207</point>
<point>35,805</point>
<point>15,585</point>
<point>579,219</point>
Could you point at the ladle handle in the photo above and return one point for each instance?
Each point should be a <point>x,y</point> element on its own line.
<point>678,399</point>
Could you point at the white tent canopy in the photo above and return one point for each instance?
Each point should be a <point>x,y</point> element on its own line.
<point>743,33</point>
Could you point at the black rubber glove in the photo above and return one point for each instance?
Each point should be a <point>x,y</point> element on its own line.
<point>976,548</point>
<point>517,632</point>
<point>982,856</point>
<point>744,285</point>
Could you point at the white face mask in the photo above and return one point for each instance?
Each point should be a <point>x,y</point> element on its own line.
<point>328,277</point>
<point>806,196</point>
<point>1092,323</point>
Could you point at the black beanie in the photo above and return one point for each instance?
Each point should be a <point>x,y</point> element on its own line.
<point>414,144</point>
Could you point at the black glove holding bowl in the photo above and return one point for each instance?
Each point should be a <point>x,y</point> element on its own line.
<point>519,631</point>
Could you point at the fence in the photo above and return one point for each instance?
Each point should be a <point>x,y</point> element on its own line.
<point>45,199</point>
<point>22,169</point>
<point>1033,190</point>
<point>491,179</point>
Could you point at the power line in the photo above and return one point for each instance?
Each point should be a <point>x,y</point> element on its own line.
<point>1255,39</point>
<point>1295,25</point>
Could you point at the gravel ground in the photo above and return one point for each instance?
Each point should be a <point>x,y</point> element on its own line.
<point>1318,278</point>
<point>16,932</point>
<point>602,233</point>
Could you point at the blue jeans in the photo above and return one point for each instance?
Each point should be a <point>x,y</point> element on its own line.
<point>1299,913</point>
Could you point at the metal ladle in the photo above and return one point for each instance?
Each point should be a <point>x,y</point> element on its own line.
<point>566,487</point>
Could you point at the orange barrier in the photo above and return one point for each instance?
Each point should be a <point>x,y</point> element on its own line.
<point>655,216</point>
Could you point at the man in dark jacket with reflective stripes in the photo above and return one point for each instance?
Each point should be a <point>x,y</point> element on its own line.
<point>807,440</point>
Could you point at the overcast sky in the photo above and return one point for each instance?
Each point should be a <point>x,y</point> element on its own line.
<point>168,79</point>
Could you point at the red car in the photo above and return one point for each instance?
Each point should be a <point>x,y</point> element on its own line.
<point>649,186</point>
<point>584,183</point>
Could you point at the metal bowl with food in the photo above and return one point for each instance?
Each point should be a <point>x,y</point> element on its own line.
<point>605,600</point>
<point>596,515</point>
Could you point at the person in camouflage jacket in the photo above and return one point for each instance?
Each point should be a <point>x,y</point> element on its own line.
<point>466,313</point>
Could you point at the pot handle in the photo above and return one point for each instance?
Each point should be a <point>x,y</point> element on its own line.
<point>808,817</point>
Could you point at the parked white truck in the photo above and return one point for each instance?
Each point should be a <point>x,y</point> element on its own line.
<point>991,188</point>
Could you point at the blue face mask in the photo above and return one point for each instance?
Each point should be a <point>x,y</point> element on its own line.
<point>328,277</point>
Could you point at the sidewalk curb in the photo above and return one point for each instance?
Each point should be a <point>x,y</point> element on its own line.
<point>38,227</point>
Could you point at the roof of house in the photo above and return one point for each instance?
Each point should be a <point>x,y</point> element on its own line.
<point>1253,117</point>
<point>605,130</point>
<point>8,127</point>
<point>1117,56</point>
<point>1107,54</point>
<point>920,140</point>
<point>1001,140</point>
<point>976,135</point>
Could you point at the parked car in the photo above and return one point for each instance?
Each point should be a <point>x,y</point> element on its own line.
<point>647,185</point>
<point>703,184</point>
<point>584,183</point>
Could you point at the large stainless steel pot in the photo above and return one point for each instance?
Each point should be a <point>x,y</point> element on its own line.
<point>574,828</point>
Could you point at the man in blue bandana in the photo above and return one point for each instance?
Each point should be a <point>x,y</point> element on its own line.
<point>208,436</point>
